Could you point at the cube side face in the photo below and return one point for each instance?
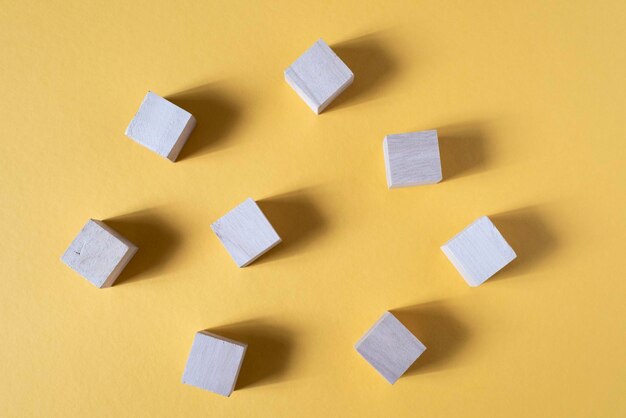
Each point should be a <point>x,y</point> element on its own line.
<point>214,363</point>
<point>479,251</point>
<point>160,126</point>
<point>246,233</point>
<point>98,255</point>
<point>387,168</point>
<point>390,347</point>
<point>412,159</point>
<point>184,136</point>
<point>319,76</point>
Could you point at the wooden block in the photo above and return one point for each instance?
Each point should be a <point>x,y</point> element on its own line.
<point>412,159</point>
<point>318,76</point>
<point>390,347</point>
<point>99,253</point>
<point>161,126</point>
<point>479,251</point>
<point>246,233</point>
<point>214,363</point>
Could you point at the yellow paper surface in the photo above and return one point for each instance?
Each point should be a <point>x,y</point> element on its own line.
<point>529,101</point>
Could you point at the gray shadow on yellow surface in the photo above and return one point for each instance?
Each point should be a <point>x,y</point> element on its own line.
<point>528,233</point>
<point>438,329</point>
<point>369,58</point>
<point>157,240</point>
<point>297,220</point>
<point>463,149</point>
<point>216,116</point>
<point>269,352</point>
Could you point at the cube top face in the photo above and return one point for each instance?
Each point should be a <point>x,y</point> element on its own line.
<point>246,233</point>
<point>390,347</point>
<point>319,76</point>
<point>214,363</point>
<point>412,159</point>
<point>161,126</point>
<point>99,253</point>
<point>479,251</point>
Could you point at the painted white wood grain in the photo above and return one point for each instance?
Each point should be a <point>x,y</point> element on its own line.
<point>390,347</point>
<point>479,251</point>
<point>161,126</point>
<point>246,233</point>
<point>319,76</point>
<point>99,253</point>
<point>214,363</point>
<point>412,159</point>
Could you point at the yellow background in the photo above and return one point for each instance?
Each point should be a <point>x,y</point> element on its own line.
<point>529,101</point>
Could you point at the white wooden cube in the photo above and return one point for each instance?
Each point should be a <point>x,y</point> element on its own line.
<point>246,233</point>
<point>161,126</point>
<point>390,347</point>
<point>319,76</point>
<point>99,253</point>
<point>214,363</point>
<point>479,251</point>
<point>412,159</point>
